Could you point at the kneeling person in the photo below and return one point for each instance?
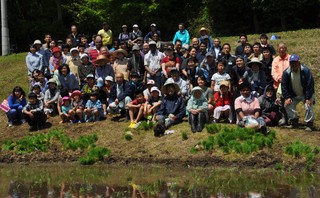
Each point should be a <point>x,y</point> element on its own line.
<point>34,113</point>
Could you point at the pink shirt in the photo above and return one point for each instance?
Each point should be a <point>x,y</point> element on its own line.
<point>278,66</point>
<point>247,108</point>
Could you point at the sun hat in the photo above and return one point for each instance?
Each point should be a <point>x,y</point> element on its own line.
<point>135,48</point>
<point>197,88</point>
<point>118,51</point>
<point>90,76</point>
<point>151,82</point>
<point>52,80</point>
<point>255,60</point>
<point>140,38</point>
<point>294,58</point>
<point>37,42</point>
<point>64,99</point>
<point>56,49</point>
<point>224,83</point>
<point>84,55</point>
<point>152,42</point>
<point>203,29</point>
<point>101,60</point>
<point>100,82</point>
<point>168,83</point>
<point>109,78</point>
<point>76,93</point>
<point>153,25</point>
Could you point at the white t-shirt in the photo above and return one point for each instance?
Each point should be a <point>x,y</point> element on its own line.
<point>219,78</point>
<point>153,61</point>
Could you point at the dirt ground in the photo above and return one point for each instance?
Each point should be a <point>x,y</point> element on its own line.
<point>144,148</point>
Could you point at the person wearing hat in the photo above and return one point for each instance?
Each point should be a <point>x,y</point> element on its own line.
<point>182,34</point>
<point>223,101</point>
<point>257,76</point>
<point>74,62</point>
<point>34,60</point>
<point>103,68</point>
<point>243,39</point>
<point>51,97</point>
<point>134,35</point>
<point>147,91</point>
<point>136,63</point>
<point>78,105</point>
<point>46,54</point>
<point>56,60</point>
<point>183,85</point>
<point>93,110</point>
<point>197,110</point>
<point>153,29</point>
<point>205,37</point>
<point>88,87</point>
<point>104,92</point>
<point>172,108</point>
<point>152,104</point>
<point>106,35</point>
<point>67,112</point>
<point>124,35</point>
<point>121,62</point>
<point>248,109</point>
<point>33,112</point>
<point>297,85</point>
<point>94,51</point>
<point>152,63</point>
<point>256,52</point>
<point>85,69</point>
<point>170,61</point>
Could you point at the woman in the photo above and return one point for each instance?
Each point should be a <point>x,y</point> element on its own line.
<point>56,60</point>
<point>66,80</point>
<point>124,35</point>
<point>34,60</point>
<point>248,109</point>
<point>257,77</point>
<point>16,102</point>
<point>121,62</point>
<point>207,92</point>
<point>197,109</point>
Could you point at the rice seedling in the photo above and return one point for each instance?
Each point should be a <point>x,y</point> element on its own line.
<point>184,135</point>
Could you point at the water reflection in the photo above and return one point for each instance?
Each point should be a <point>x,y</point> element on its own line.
<point>106,181</point>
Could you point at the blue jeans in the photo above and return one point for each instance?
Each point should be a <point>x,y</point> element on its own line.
<point>14,114</point>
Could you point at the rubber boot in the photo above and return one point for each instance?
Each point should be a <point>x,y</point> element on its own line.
<point>309,126</point>
<point>192,122</point>
<point>201,121</point>
<point>294,123</point>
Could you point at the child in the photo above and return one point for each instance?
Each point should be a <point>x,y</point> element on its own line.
<point>51,97</point>
<point>270,108</point>
<point>153,103</point>
<point>223,100</point>
<point>218,77</point>
<point>197,109</point>
<point>93,110</point>
<point>37,90</point>
<point>67,113</point>
<point>78,104</point>
<point>16,102</point>
<point>88,88</point>
<point>34,113</point>
<point>135,106</point>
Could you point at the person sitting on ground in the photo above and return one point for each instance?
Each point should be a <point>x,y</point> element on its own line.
<point>270,109</point>
<point>51,97</point>
<point>183,85</point>
<point>248,109</point>
<point>16,102</point>
<point>37,90</point>
<point>169,62</point>
<point>103,67</point>
<point>147,91</point>
<point>34,114</point>
<point>257,77</point>
<point>85,69</point>
<point>172,108</point>
<point>67,112</point>
<point>66,79</point>
<point>93,109</point>
<point>136,109</point>
<point>37,77</point>
<point>297,85</point>
<point>88,87</point>
<point>197,109</point>
<point>104,93</point>
<point>78,105</point>
<point>223,101</point>
<point>220,76</point>
<point>152,104</point>
<point>207,92</point>
<point>256,52</point>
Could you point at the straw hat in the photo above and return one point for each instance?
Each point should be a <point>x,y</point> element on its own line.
<point>224,83</point>
<point>118,51</point>
<point>203,29</point>
<point>101,60</point>
<point>255,60</point>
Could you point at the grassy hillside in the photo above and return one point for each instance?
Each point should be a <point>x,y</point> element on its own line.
<point>175,148</point>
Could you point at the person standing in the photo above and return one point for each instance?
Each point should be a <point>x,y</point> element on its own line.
<point>75,37</point>
<point>243,39</point>
<point>106,35</point>
<point>279,64</point>
<point>182,34</point>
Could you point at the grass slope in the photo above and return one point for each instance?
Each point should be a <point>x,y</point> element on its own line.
<point>170,149</point>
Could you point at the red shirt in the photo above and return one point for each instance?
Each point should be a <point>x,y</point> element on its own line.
<point>167,60</point>
<point>221,101</point>
<point>135,102</point>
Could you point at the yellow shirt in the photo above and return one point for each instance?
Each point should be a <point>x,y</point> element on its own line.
<point>106,37</point>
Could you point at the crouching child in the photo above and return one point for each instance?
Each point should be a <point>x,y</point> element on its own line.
<point>34,113</point>
<point>136,107</point>
<point>67,112</point>
<point>93,110</point>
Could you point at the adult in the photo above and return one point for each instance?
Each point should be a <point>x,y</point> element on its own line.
<point>47,40</point>
<point>184,89</point>
<point>74,62</point>
<point>34,60</point>
<point>66,79</point>
<point>204,35</point>
<point>83,41</point>
<point>145,48</point>
<point>106,35</point>
<point>267,61</point>
<point>241,70</point>
<point>169,62</point>
<point>124,35</point>
<point>297,85</point>
<point>155,37</point>
<point>74,35</point>
<point>46,54</point>
<point>153,29</point>
<point>256,52</point>
<point>243,40</point>
<point>226,56</point>
<point>16,102</point>
<point>279,64</point>
<point>152,63</point>
<point>195,43</point>
<point>184,64</point>
<point>207,92</point>
<point>257,77</point>
<point>247,52</point>
<point>182,34</point>
<point>85,68</point>
<point>103,68</point>
<point>134,35</point>
<point>216,48</point>
<point>56,60</point>
<point>264,43</point>
<point>201,53</point>
<point>121,62</point>
<point>172,108</point>
<point>209,64</point>
<point>136,63</point>
<point>104,92</point>
<point>94,51</point>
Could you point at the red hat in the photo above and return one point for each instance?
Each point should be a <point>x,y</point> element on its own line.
<point>76,92</point>
<point>56,49</point>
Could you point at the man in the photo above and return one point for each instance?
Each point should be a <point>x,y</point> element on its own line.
<point>153,28</point>
<point>216,49</point>
<point>195,43</point>
<point>74,36</point>
<point>204,35</point>
<point>106,35</point>
<point>94,51</point>
<point>297,85</point>
<point>152,63</point>
<point>243,40</point>
<point>201,54</point>
<point>184,88</point>
<point>136,63</point>
<point>134,35</point>
<point>279,64</point>
<point>264,44</point>
<point>182,34</point>
<point>120,96</point>
<point>47,41</point>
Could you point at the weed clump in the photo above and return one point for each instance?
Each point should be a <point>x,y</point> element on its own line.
<point>94,154</point>
<point>146,125</point>
<point>239,140</point>
<point>128,136</point>
<point>184,135</point>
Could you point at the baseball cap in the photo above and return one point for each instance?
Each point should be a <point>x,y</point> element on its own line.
<point>90,76</point>
<point>155,89</point>
<point>150,82</point>
<point>37,42</point>
<point>135,26</point>
<point>152,43</point>
<point>109,78</point>
<point>153,25</point>
<point>294,57</point>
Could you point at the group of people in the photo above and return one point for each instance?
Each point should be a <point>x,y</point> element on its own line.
<point>143,78</point>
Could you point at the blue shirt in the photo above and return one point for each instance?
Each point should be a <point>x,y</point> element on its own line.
<point>183,36</point>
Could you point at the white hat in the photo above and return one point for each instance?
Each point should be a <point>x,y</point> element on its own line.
<point>150,82</point>
<point>152,43</point>
<point>36,42</point>
<point>109,78</point>
<point>155,89</point>
<point>153,25</point>
<point>135,26</point>
<point>84,55</point>
<point>74,49</point>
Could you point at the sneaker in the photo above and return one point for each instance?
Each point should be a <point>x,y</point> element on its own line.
<point>282,122</point>
<point>137,125</point>
<point>23,121</point>
<point>10,124</point>
<point>132,125</point>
